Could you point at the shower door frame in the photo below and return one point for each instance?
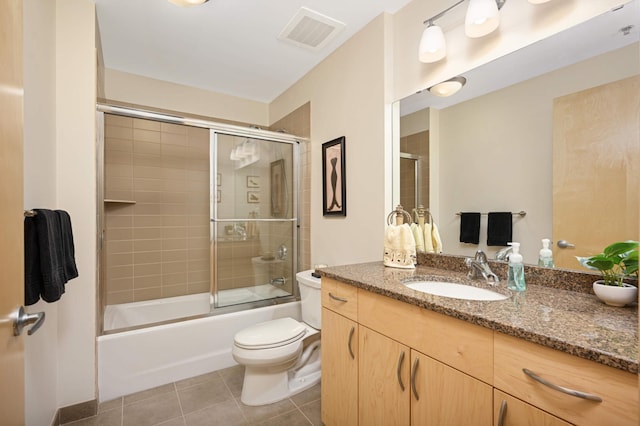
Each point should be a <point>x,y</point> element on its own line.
<point>248,132</point>
<point>294,220</point>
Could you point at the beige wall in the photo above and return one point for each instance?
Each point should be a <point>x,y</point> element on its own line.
<point>60,173</point>
<point>76,193</point>
<point>501,158</point>
<point>347,94</point>
<point>522,23</point>
<point>134,89</point>
<point>41,351</point>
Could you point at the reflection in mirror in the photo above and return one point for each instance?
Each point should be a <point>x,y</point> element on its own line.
<point>498,145</point>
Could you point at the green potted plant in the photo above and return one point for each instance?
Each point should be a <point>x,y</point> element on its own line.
<point>617,263</point>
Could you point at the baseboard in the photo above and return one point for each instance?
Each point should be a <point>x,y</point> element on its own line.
<point>76,412</point>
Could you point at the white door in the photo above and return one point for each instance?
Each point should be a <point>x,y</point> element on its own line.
<point>11,213</point>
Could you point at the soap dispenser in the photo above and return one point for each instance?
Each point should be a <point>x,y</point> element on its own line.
<point>515,274</point>
<point>546,255</point>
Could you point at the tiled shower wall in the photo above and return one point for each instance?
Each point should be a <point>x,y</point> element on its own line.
<point>156,210</point>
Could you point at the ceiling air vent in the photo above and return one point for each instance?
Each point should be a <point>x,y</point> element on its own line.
<point>310,29</point>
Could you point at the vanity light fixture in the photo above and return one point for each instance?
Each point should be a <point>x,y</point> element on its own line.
<point>433,46</point>
<point>538,1</point>
<point>481,19</point>
<point>448,87</point>
<point>188,3</point>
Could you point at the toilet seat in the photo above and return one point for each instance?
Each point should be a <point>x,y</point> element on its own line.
<point>270,334</point>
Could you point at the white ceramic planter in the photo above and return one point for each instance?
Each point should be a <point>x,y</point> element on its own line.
<point>614,295</point>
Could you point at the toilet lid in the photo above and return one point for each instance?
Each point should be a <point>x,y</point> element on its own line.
<point>270,334</point>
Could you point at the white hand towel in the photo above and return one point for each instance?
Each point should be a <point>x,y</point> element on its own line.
<point>428,240</point>
<point>418,236</point>
<point>399,247</point>
<point>435,237</point>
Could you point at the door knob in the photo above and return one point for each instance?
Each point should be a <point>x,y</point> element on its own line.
<point>24,319</point>
<point>565,244</point>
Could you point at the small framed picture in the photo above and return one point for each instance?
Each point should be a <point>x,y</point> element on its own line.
<point>219,179</point>
<point>253,181</point>
<point>253,197</point>
<point>218,196</point>
<point>334,187</point>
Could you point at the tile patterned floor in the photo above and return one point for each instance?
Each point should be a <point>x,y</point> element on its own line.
<point>210,399</point>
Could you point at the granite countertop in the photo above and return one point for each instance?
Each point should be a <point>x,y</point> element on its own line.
<point>570,321</point>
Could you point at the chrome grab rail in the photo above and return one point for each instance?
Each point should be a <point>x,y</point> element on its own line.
<point>353,329</point>
<point>339,299</point>
<point>414,370</point>
<point>568,391</point>
<point>400,361</point>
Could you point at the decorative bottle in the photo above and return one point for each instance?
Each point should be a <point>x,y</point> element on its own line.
<point>546,255</point>
<point>515,274</point>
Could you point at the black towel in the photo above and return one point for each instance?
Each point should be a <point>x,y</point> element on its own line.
<point>68,249</point>
<point>470,228</point>
<point>32,276</point>
<point>499,228</point>
<point>49,255</point>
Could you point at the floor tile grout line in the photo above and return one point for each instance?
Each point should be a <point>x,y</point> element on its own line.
<point>175,388</point>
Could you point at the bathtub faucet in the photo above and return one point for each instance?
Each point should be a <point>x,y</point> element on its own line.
<point>278,281</point>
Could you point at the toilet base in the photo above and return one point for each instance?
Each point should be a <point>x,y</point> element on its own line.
<point>262,386</point>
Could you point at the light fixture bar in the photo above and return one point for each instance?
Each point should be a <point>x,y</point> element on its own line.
<point>441,14</point>
<point>499,3</point>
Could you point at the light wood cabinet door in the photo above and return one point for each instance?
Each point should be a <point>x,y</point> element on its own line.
<point>339,370</point>
<point>510,411</point>
<point>383,380</point>
<point>516,360</point>
<point>442,395</point>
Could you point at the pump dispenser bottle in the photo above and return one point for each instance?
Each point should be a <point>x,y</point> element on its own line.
<point>515,274</point>
<point>546,255</point>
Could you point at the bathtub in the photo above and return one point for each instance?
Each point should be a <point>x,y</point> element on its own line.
<point>132,361</point>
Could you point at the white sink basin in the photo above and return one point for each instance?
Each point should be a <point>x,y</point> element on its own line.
<point>455,290</point>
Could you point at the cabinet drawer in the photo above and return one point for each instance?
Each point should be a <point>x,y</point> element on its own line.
<point>618,389</point>
<point>459,344</point>
<point>339,297</point>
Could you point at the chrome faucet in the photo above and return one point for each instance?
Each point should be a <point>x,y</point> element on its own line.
<point>479,266</point>
<point>503,254</point>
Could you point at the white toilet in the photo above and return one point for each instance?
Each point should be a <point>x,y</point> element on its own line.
<point>282,356</point>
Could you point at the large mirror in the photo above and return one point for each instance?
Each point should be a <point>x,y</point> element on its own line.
<point>522,131</point>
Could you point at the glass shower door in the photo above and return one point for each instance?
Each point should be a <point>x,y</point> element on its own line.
<point>253,219</point>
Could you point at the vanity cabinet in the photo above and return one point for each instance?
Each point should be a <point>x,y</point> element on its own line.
<point>339,354</point>
<point>387,362</point>
<point>383,380</point>
<point>510,411</point>
<point>617,389</point>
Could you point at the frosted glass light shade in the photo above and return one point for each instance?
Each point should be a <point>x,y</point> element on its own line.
<point>448,87</point>
<point>538,1</point>
<point>482,18</point>
<point>433,45</point>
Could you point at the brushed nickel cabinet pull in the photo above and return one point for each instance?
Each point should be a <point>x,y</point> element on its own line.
<point>503,412</point>
<point>339,299</point>
<point>400,361</point>
<point>568,391</point>
<point>353,329</point>
<point>414,370</point>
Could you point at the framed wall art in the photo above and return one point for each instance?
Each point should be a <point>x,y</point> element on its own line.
<point>334,186</point>
<point>253,197</point>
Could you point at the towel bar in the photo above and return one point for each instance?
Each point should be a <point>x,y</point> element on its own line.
<point>521,213</point>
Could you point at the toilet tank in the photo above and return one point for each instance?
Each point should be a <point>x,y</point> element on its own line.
<point>310,298</point>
